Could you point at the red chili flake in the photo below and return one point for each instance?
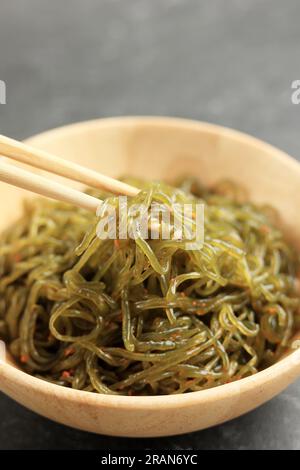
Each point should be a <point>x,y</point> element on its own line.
<point>272,310</point>
<point>66,374</point>
<point>200,311</point>
<point>24,358</point>
<point>17,257</point>
<point>174,336</point>
<point>264,229</point>
<point>69,351</point>
<point>117,244</point>
<point>194,303</point>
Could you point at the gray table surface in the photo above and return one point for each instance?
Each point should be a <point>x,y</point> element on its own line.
<point>229,62</point>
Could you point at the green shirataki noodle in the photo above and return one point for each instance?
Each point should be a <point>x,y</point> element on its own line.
<point>147,317</point>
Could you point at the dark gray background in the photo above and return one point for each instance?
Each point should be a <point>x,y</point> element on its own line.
<point>225,61</point>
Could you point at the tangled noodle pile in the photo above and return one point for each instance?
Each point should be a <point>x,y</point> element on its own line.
<point>147,317</point>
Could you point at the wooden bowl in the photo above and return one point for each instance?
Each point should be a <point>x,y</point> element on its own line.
<point>163,148</point>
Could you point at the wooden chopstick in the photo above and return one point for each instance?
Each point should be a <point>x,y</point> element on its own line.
<point>16,176</point>
<point>38,184</point>
<point>45,161</point>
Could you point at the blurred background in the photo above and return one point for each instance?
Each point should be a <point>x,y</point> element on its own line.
<point>229,62</point>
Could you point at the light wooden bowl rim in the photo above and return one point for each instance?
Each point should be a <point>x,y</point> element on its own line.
<point>289,365</point>
<point>254,382</point>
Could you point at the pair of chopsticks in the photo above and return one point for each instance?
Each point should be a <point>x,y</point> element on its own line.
<point>16,176</point>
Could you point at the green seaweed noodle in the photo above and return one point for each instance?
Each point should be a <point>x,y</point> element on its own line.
<point>147,317</point>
